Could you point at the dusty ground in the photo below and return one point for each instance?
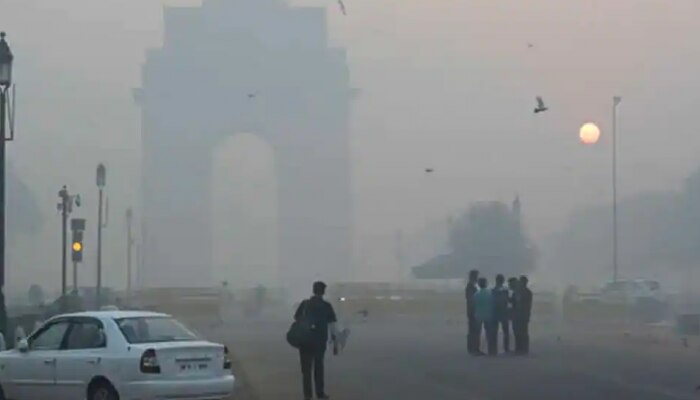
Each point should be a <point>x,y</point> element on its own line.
<point>425,358</point>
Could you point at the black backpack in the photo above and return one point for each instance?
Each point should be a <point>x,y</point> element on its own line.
<point>300,333</point>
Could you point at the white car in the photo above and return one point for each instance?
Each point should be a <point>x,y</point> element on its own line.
<point>629,292</point>
<point>115,355</point>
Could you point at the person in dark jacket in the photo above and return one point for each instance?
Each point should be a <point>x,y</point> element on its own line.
<point>512,287</point>
<point>501,298</point>
<point>473,329</point>
<point>521,319</point>
<point>320,314</point>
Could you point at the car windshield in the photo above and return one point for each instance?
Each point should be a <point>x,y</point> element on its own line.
<point>154,329</point>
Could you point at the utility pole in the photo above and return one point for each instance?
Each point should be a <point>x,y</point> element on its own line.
<point>3,318</point>
<point>5,84</point>
<point>142,253</point>
<point>616,102</point>
<point>101,181</point>
<point>129,244</point>
<point>137,255</point>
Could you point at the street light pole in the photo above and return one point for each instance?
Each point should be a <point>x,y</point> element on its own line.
<point>101,180</point>
<point>616,102</point>
<point>129,244</point>
<point>98,289</point>
<point>3,308</point>
<point>138,257</point>
<point>5,83</point>
<point>65,210</point>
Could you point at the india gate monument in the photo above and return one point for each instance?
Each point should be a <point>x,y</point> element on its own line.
<point>257,66</point>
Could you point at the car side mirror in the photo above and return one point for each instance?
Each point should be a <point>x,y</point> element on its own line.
<point>23,346</point>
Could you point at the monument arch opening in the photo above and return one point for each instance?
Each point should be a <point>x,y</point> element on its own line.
<point>244,212</point>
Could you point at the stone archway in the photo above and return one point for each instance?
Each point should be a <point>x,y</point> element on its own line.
<point>255,66</point>
<point>244,206</point>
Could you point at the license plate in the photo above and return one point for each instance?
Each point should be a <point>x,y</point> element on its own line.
<point>193,367</point>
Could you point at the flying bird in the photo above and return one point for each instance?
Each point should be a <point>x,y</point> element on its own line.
<point>252,95</point>
<point>429,170</point>
<point>540,106</point>
<point>530,45</point>
<point>342,7</point>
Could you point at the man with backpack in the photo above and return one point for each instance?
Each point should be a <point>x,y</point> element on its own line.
<point>319,316</point>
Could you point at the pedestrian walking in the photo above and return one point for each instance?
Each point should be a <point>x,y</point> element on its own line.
<point>522,313</point>
<point>473,332</point>
<point>321,318</point>
<point>484,312</point>
<point>501,299</point>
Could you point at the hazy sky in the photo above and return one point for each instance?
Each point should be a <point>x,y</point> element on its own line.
<point>446,84</point>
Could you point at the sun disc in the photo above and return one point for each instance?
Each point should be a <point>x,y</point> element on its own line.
<point>589,133</point>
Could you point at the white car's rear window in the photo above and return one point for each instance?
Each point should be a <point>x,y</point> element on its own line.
<point>154,329</point>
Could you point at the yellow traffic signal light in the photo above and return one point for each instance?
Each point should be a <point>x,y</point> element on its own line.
<point>77,246</point>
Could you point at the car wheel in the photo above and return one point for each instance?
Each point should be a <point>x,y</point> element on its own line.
<point>103,391</point>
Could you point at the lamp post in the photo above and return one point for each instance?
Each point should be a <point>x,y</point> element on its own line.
<point>616,102</point>
<point>129,244</point>
<point>5,83</point>
<point>101,181</point>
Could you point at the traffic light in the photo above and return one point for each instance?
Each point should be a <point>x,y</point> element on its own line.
<point>77,246</point>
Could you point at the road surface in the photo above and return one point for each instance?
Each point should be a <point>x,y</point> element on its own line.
<point>421,359</point>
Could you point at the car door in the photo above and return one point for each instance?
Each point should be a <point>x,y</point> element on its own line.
<point>32,372</point>
<point>81,358</point>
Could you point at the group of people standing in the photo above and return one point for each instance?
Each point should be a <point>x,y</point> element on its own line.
<point>499,308</point>
<point>505,308</point>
